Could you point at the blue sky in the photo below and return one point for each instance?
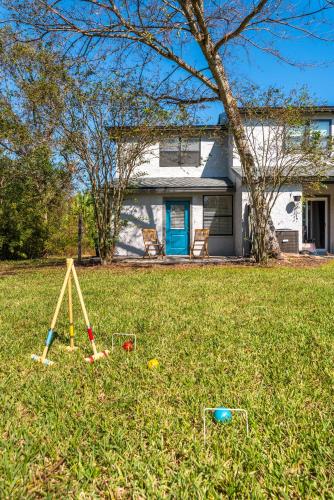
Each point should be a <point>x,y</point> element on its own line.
<point>317,75</point>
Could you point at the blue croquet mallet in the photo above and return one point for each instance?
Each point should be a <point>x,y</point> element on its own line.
<point>51,333</point>
<point>48,341</point>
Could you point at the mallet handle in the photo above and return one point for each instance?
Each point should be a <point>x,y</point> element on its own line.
<point>94,347</point>
<point>83,307</point>
<point>45,352</point>
<point>61,295</point>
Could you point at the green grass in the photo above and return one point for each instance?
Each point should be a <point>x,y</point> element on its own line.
<point>255,338</point>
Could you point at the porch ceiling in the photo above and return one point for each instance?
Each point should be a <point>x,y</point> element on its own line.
<point>182,184</point>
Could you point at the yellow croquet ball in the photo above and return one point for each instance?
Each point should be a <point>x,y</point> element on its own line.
<point>153,363</point>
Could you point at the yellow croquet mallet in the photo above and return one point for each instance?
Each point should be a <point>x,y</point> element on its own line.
<point>70,347</point>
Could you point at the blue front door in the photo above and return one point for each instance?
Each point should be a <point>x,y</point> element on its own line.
<point>177,227</point>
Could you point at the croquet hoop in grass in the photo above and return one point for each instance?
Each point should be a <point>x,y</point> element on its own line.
<point>228,411</point>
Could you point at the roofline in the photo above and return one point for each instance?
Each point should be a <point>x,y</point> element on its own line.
<point>173,128</point>
<point>310,109</point>
<point>224,125</point>
<point>211,189</point>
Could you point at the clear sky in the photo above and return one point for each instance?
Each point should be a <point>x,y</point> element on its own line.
<point>317,75</point>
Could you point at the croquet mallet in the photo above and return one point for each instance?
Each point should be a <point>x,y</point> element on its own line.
<point>51,333</point>
<point>96,355</point>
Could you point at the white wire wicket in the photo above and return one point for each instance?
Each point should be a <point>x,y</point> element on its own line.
<point>132,335</point>
<point>236,410</point>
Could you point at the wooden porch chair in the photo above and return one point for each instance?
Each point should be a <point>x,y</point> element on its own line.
<point>201,243</point>
<point>151,242</point>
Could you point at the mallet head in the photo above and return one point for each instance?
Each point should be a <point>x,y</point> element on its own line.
<point>46,362</point>
<point>71,348</point>
<point>98,355</point>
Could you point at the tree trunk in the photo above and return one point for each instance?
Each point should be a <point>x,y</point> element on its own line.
<point>247,161</point>
<point>263,235</point>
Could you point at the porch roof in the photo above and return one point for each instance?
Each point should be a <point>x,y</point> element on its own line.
<point>182,184</point>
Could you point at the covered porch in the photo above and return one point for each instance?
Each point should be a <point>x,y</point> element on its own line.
<point>176,208</point>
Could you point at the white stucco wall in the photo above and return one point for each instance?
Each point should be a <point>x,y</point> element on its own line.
<point>286,214</point>
<point>148,210</point>
<point>283,214</point>
<point>214,161</point>
<point>257,134</point>
<point>139,212</point>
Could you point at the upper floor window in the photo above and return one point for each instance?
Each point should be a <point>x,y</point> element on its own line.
<point>320,130</point>
<point>295,137</point>
<point>179,151</point>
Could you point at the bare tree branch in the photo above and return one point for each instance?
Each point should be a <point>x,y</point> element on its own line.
<point>242,26</point>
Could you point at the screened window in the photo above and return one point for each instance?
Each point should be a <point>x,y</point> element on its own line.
<point>320,130</point>
<point>218,215</point>
<point>180,152</point>
<point>169,153</point>
<point>296,137</point>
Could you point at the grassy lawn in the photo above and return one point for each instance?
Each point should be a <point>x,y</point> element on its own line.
<point>260,339</point>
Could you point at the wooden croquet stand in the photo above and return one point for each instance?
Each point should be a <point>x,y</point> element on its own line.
<point>70,272</point>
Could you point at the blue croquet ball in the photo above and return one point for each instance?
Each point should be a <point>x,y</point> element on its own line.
<point>222,415</point>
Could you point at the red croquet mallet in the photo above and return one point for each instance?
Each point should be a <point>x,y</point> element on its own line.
<point>96,355</point>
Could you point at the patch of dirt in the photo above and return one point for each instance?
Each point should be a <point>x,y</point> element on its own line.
<point>302,261</point>
<point>289,260</point>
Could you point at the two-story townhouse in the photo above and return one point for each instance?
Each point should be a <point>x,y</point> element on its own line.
<point>193,180</point>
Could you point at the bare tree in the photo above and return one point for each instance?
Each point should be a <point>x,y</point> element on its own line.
<point>287,149</point>
<point>106,135</point>
<point>174,31</point>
